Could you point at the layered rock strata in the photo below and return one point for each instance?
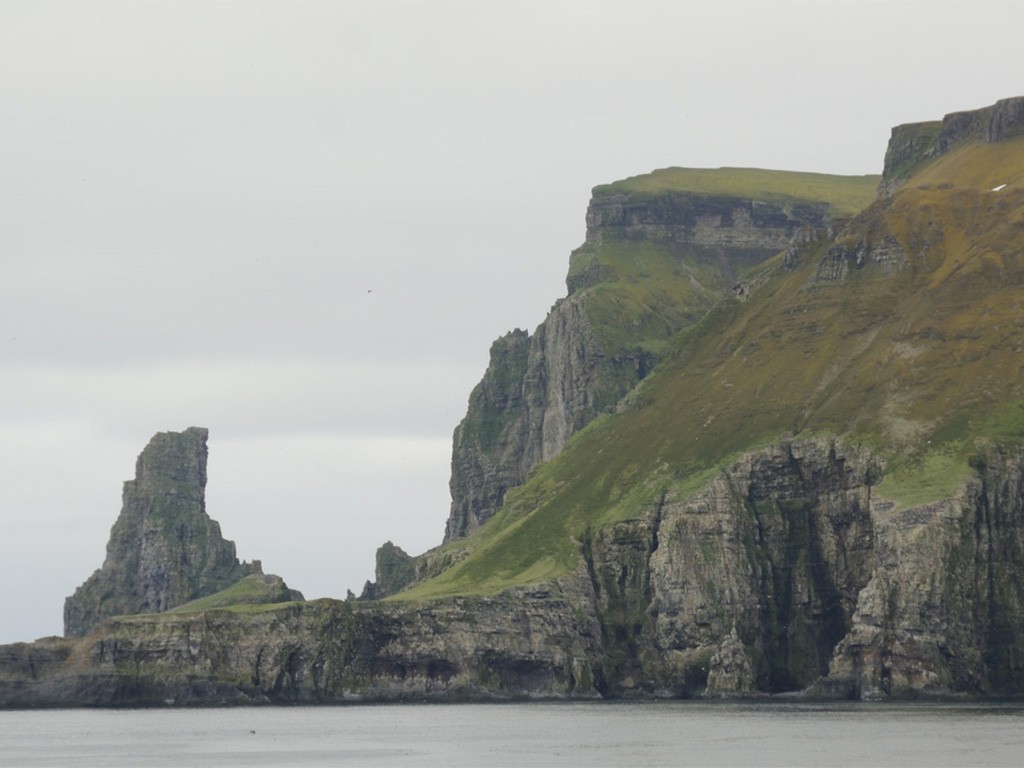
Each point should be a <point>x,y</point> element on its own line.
<point>741,231</point>
<point>529,644</point>
<point>753,579</point>
<point>791,571</point>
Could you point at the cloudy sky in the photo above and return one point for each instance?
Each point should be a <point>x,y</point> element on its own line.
<point>301,225</point>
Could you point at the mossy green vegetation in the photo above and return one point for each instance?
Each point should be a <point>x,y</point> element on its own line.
<point>917,355</point>
<point>932,475</point>
<point>484,426</point>
<point>648,291</point>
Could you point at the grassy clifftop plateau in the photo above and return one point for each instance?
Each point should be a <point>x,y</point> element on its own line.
<point>847,195</point>
<point>902,332</point>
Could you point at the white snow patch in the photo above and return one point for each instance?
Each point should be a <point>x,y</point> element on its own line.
<point>996,189</point>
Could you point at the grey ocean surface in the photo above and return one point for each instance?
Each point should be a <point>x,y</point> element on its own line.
<point>535,734</point>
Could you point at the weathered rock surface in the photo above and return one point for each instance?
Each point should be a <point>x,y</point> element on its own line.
<point>880,255</point>
<point>774,550</point>
<point>164,550</point>
<point>789,571</point>
<point>731,670</point>
<point>944,609</point>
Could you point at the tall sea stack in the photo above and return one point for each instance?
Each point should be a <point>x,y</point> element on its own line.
<point>164,550</point>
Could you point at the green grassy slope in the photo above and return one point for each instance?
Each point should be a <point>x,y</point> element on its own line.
<point>919,363</point>
<point>255,589</point>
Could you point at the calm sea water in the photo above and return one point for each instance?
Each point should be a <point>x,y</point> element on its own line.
<point>538,734</point>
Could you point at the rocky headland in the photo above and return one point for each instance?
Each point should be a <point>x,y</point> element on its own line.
<point>769,443</point>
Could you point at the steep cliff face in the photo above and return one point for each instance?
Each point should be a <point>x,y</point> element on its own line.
<point>164,550</point>
<point>536,393</point>
<point>944,609</point>
<point>733,232</point>
<point>490,442</point>
<point>744,586</point>
<point>659,251</point>
<point>791,571</point>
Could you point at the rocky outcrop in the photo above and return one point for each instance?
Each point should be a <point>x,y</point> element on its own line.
<point>489,454</point>
<point>857,252</point>
<point>909,146</point>
<point>773,551</point>
<point>536,393</point>
<point>164,550</point>
<point>1003,120</point>
<point>731,670</point>
<point>395,569</point>
<point>776,548</point>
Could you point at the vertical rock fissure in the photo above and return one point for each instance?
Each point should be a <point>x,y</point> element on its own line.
<point>802,610</point>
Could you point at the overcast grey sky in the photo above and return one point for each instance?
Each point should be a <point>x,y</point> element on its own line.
<point>301,226</point>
